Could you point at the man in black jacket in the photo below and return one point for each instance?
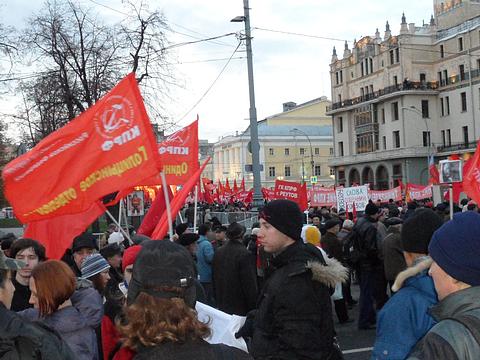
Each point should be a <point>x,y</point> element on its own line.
<point>294,316</point>
<point>234,274</point>
<point>364,240</point>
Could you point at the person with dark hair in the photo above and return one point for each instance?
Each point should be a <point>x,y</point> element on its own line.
<point>234,274</point>
<point>74,315</point>
<point>160,321</point>
<point>189,241</point>
<point>405,319</point>
<point>295,303</point>
<point>113,254</point>
<point>83,246</point>
<point>220,236</point>
<point>31,252</point>
<point>205,254</point>
<point>6,245</point>
<point>20,338</point>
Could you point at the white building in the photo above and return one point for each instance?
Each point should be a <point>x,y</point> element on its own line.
<point>397,99</point>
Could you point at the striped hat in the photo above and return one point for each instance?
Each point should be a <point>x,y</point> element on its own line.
<point>93,265</point>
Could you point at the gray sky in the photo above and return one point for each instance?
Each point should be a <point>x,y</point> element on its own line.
<point>286,67</point>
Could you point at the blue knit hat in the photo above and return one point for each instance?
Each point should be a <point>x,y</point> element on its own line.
<point>93,265</point>
<point>455,247</point>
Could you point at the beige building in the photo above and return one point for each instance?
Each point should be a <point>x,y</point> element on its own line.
<point>397,99</point>
<point>294,144</point>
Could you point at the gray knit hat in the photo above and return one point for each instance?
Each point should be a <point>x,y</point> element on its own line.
<point>93,264</point>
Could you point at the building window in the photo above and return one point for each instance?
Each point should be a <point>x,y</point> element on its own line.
<point>440,78</point>
<point>317,151</point>
<point>384,140</point>
<point>460,44</point>
<point>270,151</point>
<point>426,138</point>
<point>392,57</point>
<point>383,115</point>
<point>332,172</point>
<point>302,151</point>
<point>445,76</point>
<point>443,138</point>
<point>461,69</point>
<point>397,55</point>
<point>287,151</point>
<point>341,76</point>
<point>336,77</point>
<point>271,171</point>
<point>449,138</point>
<point>340,124</point>
<point>442,52</point>
<point>396,139</point>
<point>395,111</point>
<point>478,63</point>
<point>447,105</point>
<point>465,134</point>
<point>340,148</point>
<point>361,68</point>
<point>318,170</point>
<point>287,171</point>
<point>442,109</point>
<point>395,80</point>
<point>339,98</point>
<point>425,112</point>
<point>463,97</point>
<point>331,151</point>
<point>371,64</point>
<point>423,77</point>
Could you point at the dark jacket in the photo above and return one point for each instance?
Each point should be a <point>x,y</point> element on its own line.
<point>332,246</point>
<point>18,334</point>
<point>404,319</point>
<point>192,349</point>
<point>294,317</point>
<point>234,279</point>
<point>450,339</point>
<point>393,259</point>
<point>21,297</point>
<point>76,324</point>
<point>365,234</point>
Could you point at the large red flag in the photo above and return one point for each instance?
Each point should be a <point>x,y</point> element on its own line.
<point>107,148</point>
<point>471,176</point>
<point>235,187</point>
<point>227,186</point>
<point>242,185</point>
<point>178,201</point>
<point>208,188</point>
<point>155,212</point>
<point>57,234</point>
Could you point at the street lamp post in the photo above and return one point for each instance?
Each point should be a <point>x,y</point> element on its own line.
<point>255,146</point>
<point>312,163</point>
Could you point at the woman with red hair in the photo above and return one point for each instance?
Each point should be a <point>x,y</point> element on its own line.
<point>73,314</point>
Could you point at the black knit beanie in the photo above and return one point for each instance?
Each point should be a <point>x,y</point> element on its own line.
<point>285,216</point>
<point>418,230</point>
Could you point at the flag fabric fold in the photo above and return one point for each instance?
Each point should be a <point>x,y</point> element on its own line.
<point>155,212</point>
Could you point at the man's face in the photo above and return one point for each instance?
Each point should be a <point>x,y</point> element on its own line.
<point>127,274</point>
<point>30,259</point>
<point>6,292</point>
<point>316,221</point>
<point>444,283</point>
<point>81,254</point>
<point>335,229</point>
<point>115,261</point>
<point>220,236</point>
<point>272,240</point>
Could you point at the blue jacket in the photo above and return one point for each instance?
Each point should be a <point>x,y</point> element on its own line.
<point>204,259</point>
<point>404,319</point>
<point>76,324</point>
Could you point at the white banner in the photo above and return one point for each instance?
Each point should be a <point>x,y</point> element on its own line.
<point>346,197</point>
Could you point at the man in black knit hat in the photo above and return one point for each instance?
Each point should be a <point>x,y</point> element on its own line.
<point>294,304</point>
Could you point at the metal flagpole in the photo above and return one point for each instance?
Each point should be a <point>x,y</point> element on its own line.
<point>195,210</point>
<point>167,205</point>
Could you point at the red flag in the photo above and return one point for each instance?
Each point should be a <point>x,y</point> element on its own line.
<point>154,213</point>
<point>242,185</point>
<point>235,187</point>
<point>208,188</point>
<point>303,197</point>
<point>178,201</point>
<point>432,169</point>
<point>107,148</point>
<point>57,234</point>
<point>471,176</point>
<point>227,186</point>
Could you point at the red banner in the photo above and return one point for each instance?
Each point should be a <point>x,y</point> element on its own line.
<point>268,194</point>
<point>471,176</point>
<point>245,197</point>
<point>418,192</point>
<point>385,195</point>
<point>322,196</point>
<point>155,212</point>
<point>291,191</point>
<point>109,147</point>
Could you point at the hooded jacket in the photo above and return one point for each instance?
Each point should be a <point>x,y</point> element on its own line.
<point>205,254</point>
<point>76,324</point>
<point>404,319</point>
<point>295,305</point>
<point>450,339</point>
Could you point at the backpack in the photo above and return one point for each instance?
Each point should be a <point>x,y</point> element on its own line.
<point>351,249</point>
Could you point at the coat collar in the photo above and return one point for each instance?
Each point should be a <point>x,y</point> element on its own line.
<point>457,303</point>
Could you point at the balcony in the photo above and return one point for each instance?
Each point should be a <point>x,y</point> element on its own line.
<point>457,147</point>
<point>366,128</point>
<point>405,86</point>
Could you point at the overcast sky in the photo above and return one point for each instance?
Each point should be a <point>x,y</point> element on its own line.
<point>286,67</point>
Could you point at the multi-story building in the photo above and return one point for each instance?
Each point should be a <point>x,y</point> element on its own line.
<point>294,144</point>
<point>399,99</point>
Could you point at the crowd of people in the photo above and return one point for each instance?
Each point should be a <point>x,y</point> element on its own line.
<point>110,298</point>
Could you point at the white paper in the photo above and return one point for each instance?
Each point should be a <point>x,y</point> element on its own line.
<point>223,326</point>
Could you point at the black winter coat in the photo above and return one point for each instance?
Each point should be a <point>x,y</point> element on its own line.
<point>234,279</point>
<point>332,246</point>
<point>365,232</point>
<point>294,317</point>
<point>193,349</point>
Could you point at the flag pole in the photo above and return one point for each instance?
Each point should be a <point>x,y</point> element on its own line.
<point>167,205</point>
<point>195,210</point>
<point>450,193</point>
<point>119,227</point>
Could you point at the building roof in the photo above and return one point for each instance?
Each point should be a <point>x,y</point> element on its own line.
<point>264,129</point>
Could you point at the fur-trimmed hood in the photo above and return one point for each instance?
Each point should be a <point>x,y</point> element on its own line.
<point>330,274</point>
<point>411,272</point>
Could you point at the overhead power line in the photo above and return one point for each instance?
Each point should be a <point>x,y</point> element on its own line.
<point>300,34</point>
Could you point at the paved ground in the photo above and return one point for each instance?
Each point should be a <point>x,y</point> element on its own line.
<point>355,344</point>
